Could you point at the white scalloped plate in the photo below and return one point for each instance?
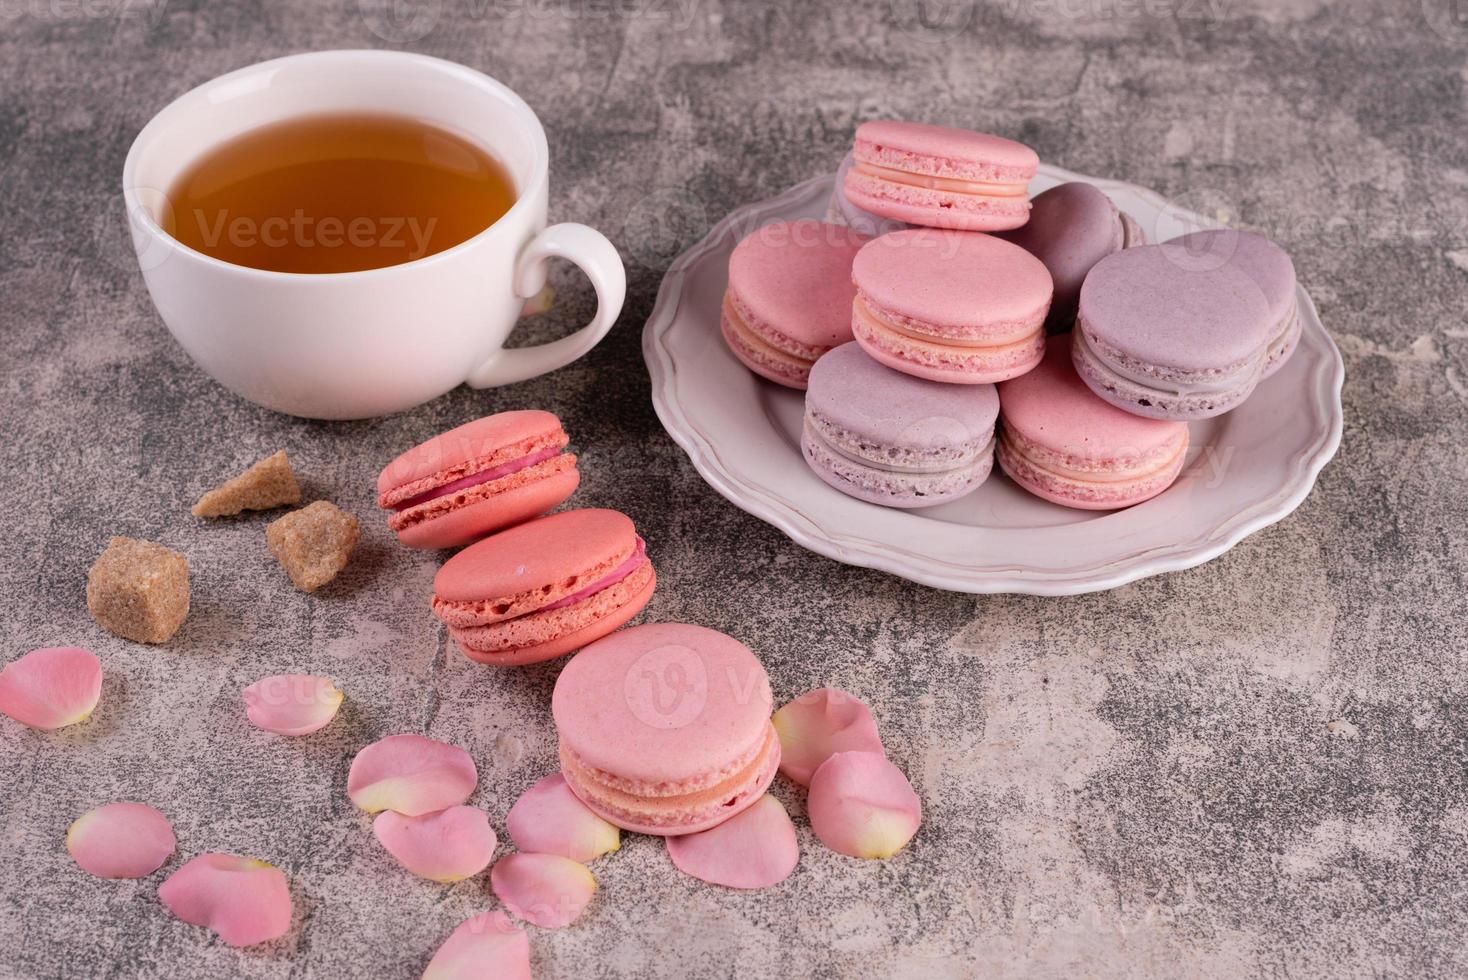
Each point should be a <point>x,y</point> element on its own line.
<point>1246,470</point>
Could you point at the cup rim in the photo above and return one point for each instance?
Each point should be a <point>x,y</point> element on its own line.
<point>524,196</point>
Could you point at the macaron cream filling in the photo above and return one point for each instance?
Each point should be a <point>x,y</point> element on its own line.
<point>638,558</point>
<point>1216,381</point>
<point>485,476</point>
<point>473,614</point>
<point>989,337</point>
<point>664,806</point>
<point>852,448</point>
<point>986,188</point>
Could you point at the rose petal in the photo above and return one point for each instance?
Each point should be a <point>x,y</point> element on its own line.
<point>410,774</point>
<point>52,687</point>
<point>754,849</point>
<point>484,946</point>
<point>862,805</point>
<point>245,901</point>
<point>449,845</point>
<point>544,889</point>
<point>819,723</point>
<point>292,704</point>
<point>121,840</point>
<point>549,819</point>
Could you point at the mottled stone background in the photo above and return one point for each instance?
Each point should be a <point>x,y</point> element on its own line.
<point>1254,768</point>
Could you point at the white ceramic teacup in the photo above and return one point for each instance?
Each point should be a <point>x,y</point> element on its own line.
<point>358,344</point>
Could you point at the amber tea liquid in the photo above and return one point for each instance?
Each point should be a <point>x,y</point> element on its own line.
<point>337,193</point>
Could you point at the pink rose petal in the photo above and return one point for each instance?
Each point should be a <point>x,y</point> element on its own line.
<point>449,845</point>
<point>52,687</point>
<point>862,805</point>
<point>547,890</point>
<point>821,722</point>
<point>485,947</point>
<point>549,819</point>
<point>245,901</point>
<point>754,849</point>
<point>410,774</point>
<point>292,704</point>
<point>121,840</point>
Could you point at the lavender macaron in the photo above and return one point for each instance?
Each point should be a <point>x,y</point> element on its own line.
<point>893,439</point>
<point>1072,227</point>
<point>1164,334</point>
<point>1270,267</point>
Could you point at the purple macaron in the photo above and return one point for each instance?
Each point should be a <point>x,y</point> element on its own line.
<point>892,439</point>
<point>1165,334</point>
<point>1269,266</point>
<point>1071,228</point>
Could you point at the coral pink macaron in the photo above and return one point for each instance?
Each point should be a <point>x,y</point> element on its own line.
<point>939,176</point>
<point>474,480</point>
<point>1061,442</point>
<point>951,306</point>
<point>665,728</point>
<point>789,297</point>
<point>544,588</point>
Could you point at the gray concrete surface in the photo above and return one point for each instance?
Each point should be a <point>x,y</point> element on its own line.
<point>1254,768</point>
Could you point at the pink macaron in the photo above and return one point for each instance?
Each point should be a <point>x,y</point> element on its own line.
<point>1166,333</point>
<point>951,306</point>
<point>840,211</point>
<point>544,588</point>
<point>1073,226</point>
<point>1061,442</point>
<point>665,728</point>
<point>940,177</point>
<point>478,478</point>
<point>1270,267</point>
<point>789,297</point>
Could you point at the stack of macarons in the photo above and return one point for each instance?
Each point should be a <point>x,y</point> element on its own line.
<point>936,277</point>
<point>528,587</point>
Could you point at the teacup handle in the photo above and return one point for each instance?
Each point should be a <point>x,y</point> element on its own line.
<point>596,257</point>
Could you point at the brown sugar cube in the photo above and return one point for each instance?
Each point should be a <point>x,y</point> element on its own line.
<point>139,590</point>
<point>313,543</point>
<point>269,483</point>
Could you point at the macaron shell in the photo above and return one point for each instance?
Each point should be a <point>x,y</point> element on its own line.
<point>947,154</point>
<point>1281,350</point>
<point>954,284</point>
<point>792,279</point>
<point>612,612</point>
<point>897,411</point>
<point>449,455</point>
<point>1072,226</point>
<point>943,151</point>
<point>1268,265</point>
<point>662,703</point>
<point>660,817</point>
<point>841,211</point>
<point>764,360</point>
<point>904,491</point>
<point>935,208</point>
<point>1053,408</point>
<point>1082,495</point>
<point>949,364</point>
<point>1155,403</point>
<point>1161,306</point>
<point>529,494</point>
<point>553,553</point>
<point>1062,442</point>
